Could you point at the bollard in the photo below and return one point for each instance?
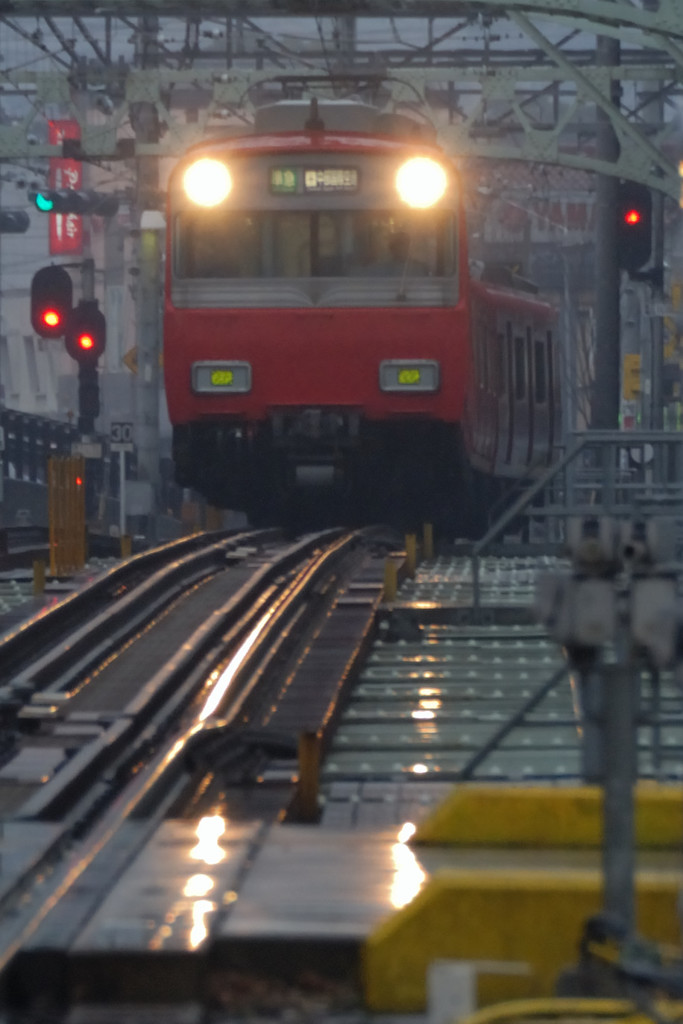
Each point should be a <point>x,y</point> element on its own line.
<point>126,545</point>
<point>214,518</point>
<point>427,542</point>
<point>411,555</point>
<point>38,576</point>
<point>309,770</point>
<point>390,580</point>
<point>66,514</point>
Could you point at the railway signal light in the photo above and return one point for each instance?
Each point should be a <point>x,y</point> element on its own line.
<point>71,200</point>
<point>634,225</point>
<point>86,335</point>
<point>51,299</point>
<point>14,222</point>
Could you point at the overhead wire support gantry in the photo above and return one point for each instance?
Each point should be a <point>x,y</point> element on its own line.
<point>607,13</point>
<point>507,106</point>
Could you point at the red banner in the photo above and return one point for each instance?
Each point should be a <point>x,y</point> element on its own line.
<point>66,229</point>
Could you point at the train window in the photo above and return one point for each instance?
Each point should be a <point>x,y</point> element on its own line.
<point>291,253</point>
<point>483,354</point>
<point>520,368</point>
<point>497,367</point>
<point>509,369</point>
<point>218,245</point>
<point>540,376</point>
<point>551,365</point>
<point>302,243</point>
<point>389,244</point>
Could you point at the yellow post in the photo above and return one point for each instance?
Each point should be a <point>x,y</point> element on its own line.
<point>214,518</point>
<point>427,542</point>
<point>68,526</point>
<point>390,580</point>
<point>189,515</point>
<point>66,509</point>
<point>81,533</point>
<point>52,512</point>
<point>38,576</point>
<point>411,555</point>
<point>126,545</point>
<point>309,770</point>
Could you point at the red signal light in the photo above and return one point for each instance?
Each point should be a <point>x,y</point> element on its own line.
<point>79,481</point>
<point>51,317</point>
<point>634,225</point>
<point>86,333</point>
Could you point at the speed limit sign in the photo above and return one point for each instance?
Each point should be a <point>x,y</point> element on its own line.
<point>121,437</point>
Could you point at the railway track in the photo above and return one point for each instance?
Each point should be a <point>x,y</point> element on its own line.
<point>116,698</point>
<point>179,699</point>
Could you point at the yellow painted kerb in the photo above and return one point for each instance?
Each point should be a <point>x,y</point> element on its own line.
<point>533,918</point>
<point>549,816</point>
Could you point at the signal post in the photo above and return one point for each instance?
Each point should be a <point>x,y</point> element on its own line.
<point>84,330</point>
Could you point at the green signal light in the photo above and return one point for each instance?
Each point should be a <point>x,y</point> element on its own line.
<point>43,202</point>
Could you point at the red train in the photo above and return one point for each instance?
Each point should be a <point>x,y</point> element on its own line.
<point>327,345</point>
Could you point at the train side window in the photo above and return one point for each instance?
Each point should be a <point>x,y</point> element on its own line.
<point>520,368</point>
<point>480,354</point>
<point>540,375</point>
<point>509,364</point>
<point>497,365</point>
<point>484,354</point>
<point>550,364</point>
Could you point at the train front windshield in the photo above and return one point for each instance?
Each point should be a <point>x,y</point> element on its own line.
<point>314,244</point>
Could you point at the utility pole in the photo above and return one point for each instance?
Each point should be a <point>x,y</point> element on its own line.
<point>606,398</point>
<point>654,113</point>
<point>148,307</point>
<point>113,291</point>
<point>87,371</point>
<point>657,319</point>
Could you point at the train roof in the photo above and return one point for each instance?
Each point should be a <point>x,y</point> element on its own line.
<point>335,141</point>
<point>327,124</point>
<point>340,116</point>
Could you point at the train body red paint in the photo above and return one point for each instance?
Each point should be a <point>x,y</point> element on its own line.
<point>325,341</point>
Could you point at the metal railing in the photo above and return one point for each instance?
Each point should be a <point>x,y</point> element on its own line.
<point>616,473</point>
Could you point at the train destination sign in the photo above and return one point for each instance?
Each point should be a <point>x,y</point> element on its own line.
<point>298,180</point>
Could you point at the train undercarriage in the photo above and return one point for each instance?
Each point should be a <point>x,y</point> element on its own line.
<point>320,466</point>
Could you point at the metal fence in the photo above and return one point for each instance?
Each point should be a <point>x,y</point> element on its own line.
<point>613,473</point>
<point>28,442</point>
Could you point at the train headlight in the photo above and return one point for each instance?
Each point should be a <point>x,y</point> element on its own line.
<point>421,182</point>
<point>207,182</point>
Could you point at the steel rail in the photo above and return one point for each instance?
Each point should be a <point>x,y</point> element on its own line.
<point>154,576</point>
<point>173,685</point>
<point>151,790</point>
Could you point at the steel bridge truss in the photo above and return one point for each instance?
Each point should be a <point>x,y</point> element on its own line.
<point>533,104</point>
